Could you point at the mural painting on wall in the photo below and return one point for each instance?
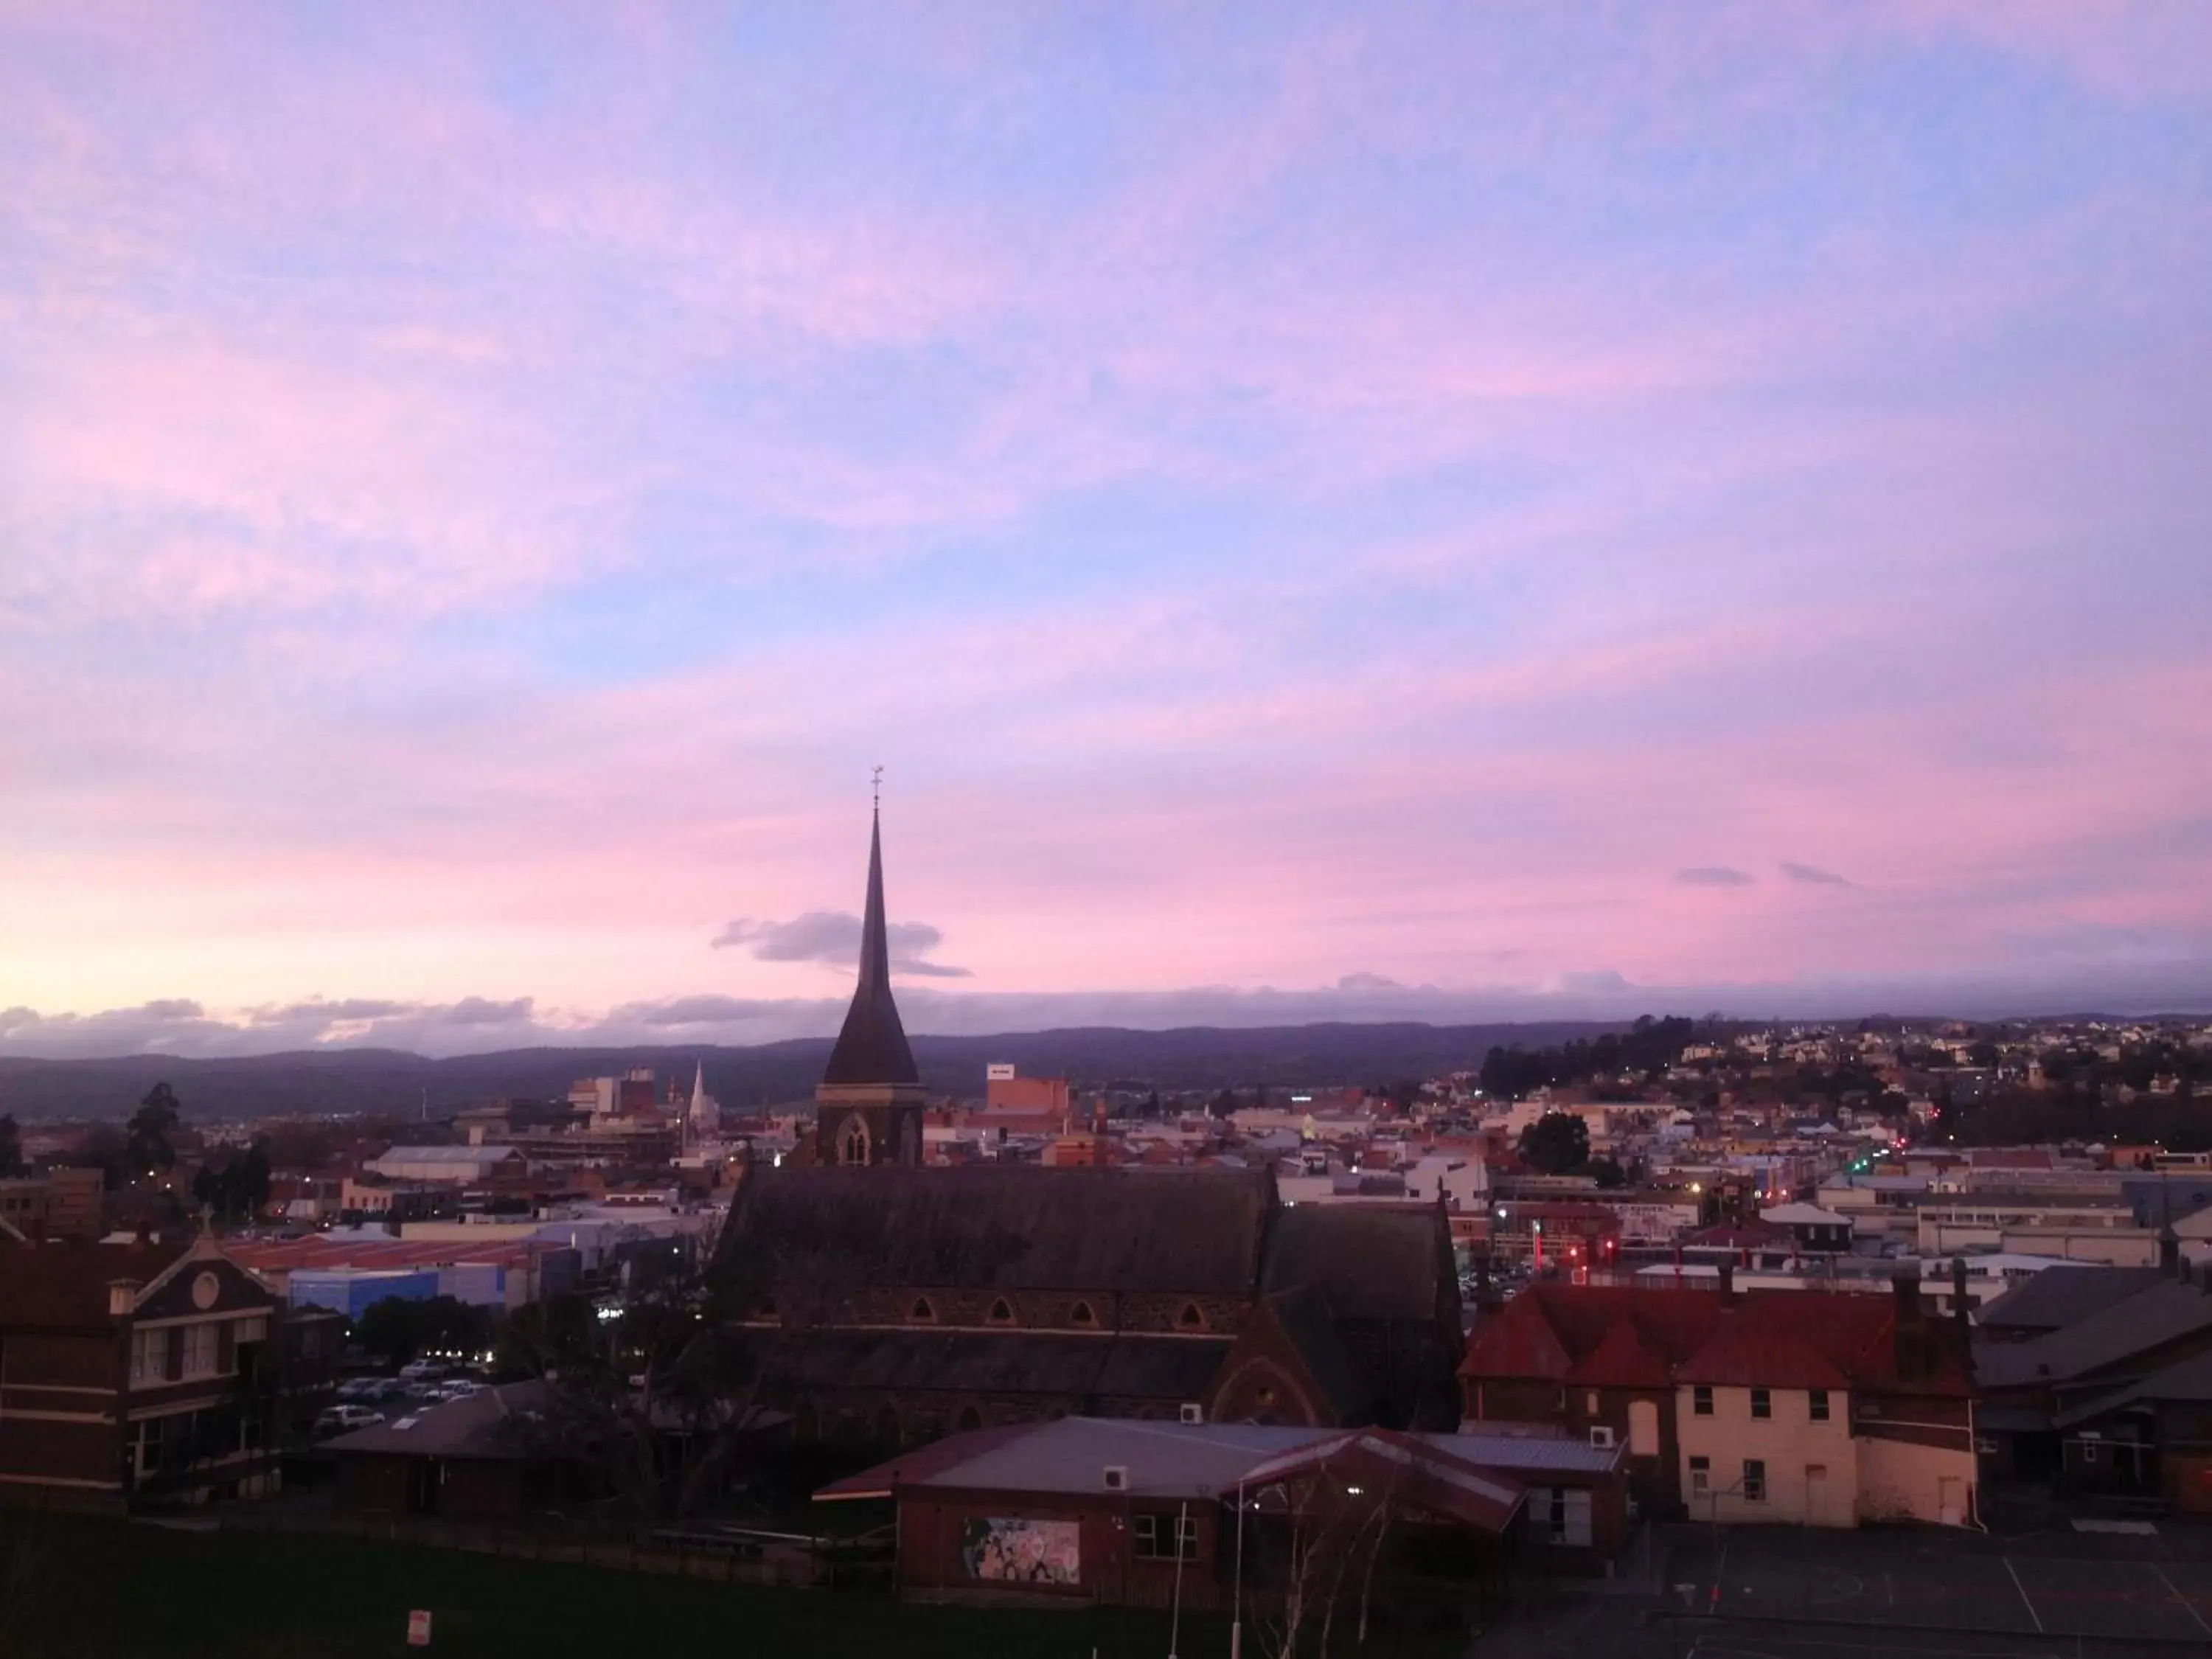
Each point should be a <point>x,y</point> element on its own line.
<point>1022,1550</point>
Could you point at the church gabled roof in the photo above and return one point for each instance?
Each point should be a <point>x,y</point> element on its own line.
<point>872,1049</point>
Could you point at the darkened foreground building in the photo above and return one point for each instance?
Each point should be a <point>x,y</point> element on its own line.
<point>882,1301</point>
<point>1141,1513</point>
<point>896,1305</point>
<point>133,1373</point>
<point>2101,1379</point>
<point>491,1457</point>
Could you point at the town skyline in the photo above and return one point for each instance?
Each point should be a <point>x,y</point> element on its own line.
<point>1359,519</point>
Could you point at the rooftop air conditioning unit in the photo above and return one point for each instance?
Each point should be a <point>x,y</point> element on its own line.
<point>1601,1437</point>
<point>1117,1477</point>
<point>1193,1412</point>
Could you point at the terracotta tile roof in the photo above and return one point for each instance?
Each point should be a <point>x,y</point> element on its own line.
<point>1640,1337</point>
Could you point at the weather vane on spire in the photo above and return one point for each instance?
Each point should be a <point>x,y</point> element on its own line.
<point>878,786</point>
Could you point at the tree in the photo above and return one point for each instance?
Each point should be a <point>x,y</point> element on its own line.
<point>237,1188</point>
<point>11,1148</point>
<point>1557,1143</point>
<point>1608,1173</point>
<point>1224,1103</point>
<point>146,1145</point>
<point>657,1397</point>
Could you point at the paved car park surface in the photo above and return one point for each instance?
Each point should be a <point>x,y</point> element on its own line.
<point>2125,1590</point>
<point>2150,1584</point>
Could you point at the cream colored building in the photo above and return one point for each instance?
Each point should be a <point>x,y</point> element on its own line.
<point>1797,1457</point>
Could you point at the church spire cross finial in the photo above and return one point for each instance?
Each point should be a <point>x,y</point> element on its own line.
<point>878,785</point>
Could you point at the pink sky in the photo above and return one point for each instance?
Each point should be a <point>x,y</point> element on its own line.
<point>1327,516</point>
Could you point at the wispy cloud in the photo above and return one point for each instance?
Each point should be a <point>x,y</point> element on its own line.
<point>1361,498</point>
<point>833,938</point>
<point>1811,875</point>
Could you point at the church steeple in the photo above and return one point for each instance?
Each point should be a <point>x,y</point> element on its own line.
<point>872,1049</point>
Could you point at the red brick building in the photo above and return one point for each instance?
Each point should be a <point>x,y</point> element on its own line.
<point>136,1371</point>
<point>893,1304</point>
<point>1790,1406</point>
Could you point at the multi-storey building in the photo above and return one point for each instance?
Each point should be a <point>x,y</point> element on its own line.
<point>135,1372</point>
<point>1793,1407</point>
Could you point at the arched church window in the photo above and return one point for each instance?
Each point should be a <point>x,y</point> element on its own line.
<point>922,1313</point>
<point>1081,1315</point>
<point>853,1141</point>
<point>1002,1312</point>
<point>1190,1319</point>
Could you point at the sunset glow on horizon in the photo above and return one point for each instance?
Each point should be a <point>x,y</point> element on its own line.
<point>1516,512</point>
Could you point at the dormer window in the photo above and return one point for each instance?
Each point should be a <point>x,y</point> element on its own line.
<point>1002,1312</point>
<point>922,1313</point>
<point>1081,1315</point>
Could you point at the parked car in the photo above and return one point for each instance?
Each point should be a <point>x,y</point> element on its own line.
<point>344,1420</point>
<point>459,1387</point>
<point>421,1371</point>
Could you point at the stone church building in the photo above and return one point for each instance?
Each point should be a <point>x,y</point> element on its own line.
<point>892,1302</point>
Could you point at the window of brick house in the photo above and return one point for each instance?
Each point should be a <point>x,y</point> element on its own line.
<point>1701,1401</point>
<point>1754,1480</point>
<point>1701,1476</point>
<point>1762,1403</point>
<point>1159,1537</point>
<point>1816,1404</point>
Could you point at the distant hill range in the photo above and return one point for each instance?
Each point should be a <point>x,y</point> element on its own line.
<point>349,1080</point>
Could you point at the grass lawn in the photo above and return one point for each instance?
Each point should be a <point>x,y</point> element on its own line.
<point>78,1588</point>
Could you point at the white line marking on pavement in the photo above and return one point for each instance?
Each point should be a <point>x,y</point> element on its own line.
<point>2022,1589</point>
<point>2187,1605</point>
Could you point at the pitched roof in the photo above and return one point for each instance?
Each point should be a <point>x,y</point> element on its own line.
<point>1372,1261</point>
<point>1006,1227</point>
<point>2166,1311</point>
<point>62,1284</point>
<point>1806,1339</point>
<point>2189,1381</point>
<point>872,1048</point>
<point>497,1424</point>
<point>1448,1472</point>
<point>2060,1296</point>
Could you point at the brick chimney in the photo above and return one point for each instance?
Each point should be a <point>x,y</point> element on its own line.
<point>1910,1323</point>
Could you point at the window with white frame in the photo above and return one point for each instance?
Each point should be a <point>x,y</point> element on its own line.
<point>1701,1476</point>
<point>1564,1515</point>
<point>149,1356</point>
<point>202,1344</point>
<point>1157,1537</point>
